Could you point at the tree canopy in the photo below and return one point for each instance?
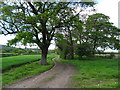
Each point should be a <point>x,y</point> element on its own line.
<point>101,32</point>
<point>40,22</point>
<point>36,22</point>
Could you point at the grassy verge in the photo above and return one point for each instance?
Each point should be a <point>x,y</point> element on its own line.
<point>26,70</point>
<point>15,61</point>
<point>96,73</point>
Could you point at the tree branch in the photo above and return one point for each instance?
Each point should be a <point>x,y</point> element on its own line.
<point>33,8</point>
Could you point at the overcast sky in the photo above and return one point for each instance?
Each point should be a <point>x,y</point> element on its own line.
<point>107,7</point>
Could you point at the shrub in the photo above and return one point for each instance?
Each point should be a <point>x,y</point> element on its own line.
<point>84,49</point>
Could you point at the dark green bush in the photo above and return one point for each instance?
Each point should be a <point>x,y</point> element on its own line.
<point>84,50</point>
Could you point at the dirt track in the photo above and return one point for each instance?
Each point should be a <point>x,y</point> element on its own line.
<point>57,77</point>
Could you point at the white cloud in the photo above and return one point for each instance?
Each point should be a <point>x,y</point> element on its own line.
<point>4,39</point>
<point>109,8</point>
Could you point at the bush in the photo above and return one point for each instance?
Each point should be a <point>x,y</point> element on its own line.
<point>84,50</point>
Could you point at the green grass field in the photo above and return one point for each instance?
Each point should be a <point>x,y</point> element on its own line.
<point>26,70</point>
<point>14,61</point>
<point>96,73</point>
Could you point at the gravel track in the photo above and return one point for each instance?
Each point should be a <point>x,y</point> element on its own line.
<point>57,77</point>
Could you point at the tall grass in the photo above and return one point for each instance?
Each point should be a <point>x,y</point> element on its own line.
<point>96,73</point>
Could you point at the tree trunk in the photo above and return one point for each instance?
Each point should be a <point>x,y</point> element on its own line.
<point>71,51</point>
<point>44,56</point>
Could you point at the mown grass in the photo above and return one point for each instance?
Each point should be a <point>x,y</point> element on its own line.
<point>96,73</point>
<point>26,70</point>
<point>14,61</point>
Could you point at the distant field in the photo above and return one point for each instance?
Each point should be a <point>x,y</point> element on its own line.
<point>14,61</point>
<point>8,54</point>
<point>96,73</point>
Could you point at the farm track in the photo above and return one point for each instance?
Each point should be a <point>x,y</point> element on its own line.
<point>57,77</point>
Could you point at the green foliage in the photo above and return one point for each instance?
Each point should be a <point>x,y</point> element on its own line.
<point>17,50</point>
<point>101,32</point>
<point>26,70</point>
<point>37,18</point>
<point>96,73</point>
<point>12,51</point>
<point>6,49</point>
<point>62,44</point>
<point>24,37</point>
<point>84,49</point>
<point>38,22</point>
<point>67,37</point>
<point>15,61</point>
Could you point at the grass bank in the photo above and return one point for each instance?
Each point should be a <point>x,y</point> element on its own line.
<point>24,71</point>
<point>15,61</point>
<point>95,73</point>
